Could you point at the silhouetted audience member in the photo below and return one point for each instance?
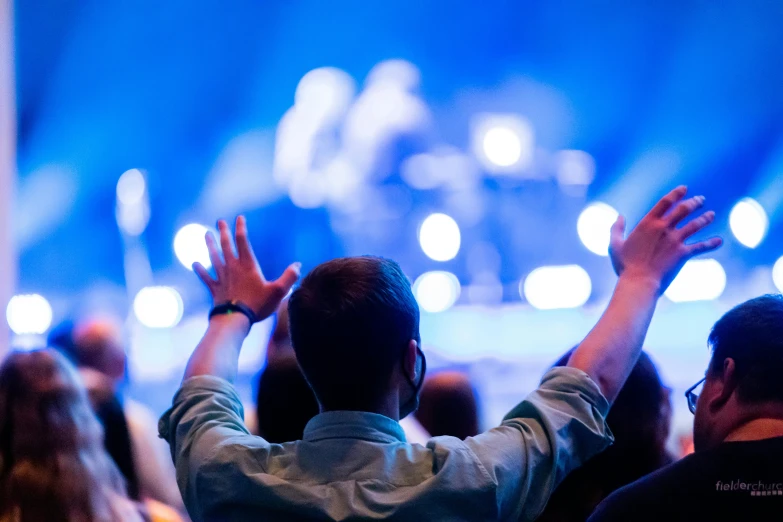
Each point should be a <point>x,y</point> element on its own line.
<point>354,326</point>
<point>640,420</point>
<point>96,346</point>
<point>736,472</point>
<point>106,404</point>
<point>448,406</point>
<point>53,466</point>
<point>284,402</point>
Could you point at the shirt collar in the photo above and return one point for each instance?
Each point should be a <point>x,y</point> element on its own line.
<point>353,425</point>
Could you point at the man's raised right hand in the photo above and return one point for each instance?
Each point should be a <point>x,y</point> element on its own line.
<point>655,249</point>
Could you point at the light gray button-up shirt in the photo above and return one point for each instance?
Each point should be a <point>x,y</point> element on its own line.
<point>356,465</point>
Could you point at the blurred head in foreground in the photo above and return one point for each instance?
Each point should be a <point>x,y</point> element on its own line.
<point>284,402</point>
<point>52,462</point>
<point>640,420</point>
<point>95,344</point>
<point>448,405</point>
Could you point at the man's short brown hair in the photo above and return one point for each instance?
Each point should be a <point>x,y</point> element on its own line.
<point>351,320</point>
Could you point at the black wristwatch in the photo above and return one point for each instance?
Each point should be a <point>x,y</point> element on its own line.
<point>234,307</point>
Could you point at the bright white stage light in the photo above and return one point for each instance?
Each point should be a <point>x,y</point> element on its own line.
<point>158,307</point>
<point>699,280</point>
<point>748,222</point>
<point>502,146</point>
<point>131,187</point>
<point>503,143</point>
<point>190,246</point>
<point>436,291</point>
<point>439,237</point>
<point>777,274</point>
<point>551,287</point>
<point>594,225</point>
<point>29,314</point>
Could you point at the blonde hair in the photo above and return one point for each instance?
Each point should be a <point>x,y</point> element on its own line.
<point>53,466</point>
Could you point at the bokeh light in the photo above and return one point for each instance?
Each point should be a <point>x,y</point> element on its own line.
<point>777,274</point>
<point>551,287</point>
<point>190,246</point>
<point>28,314</point>
<point>131,187</point>
<point>748,222</point>
<point>439,237</point>
<point>132,210</point>
<point>502,146</point>
<point>158,307</point>
<point>503,143</point>
<point>699,280</point>
<point>594,226</point>
<point>436,291</point>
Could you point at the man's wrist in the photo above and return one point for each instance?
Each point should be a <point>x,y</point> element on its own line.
<point>231,321</point>
<point>643,281</point>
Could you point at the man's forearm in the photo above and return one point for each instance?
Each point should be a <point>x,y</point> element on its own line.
<point>611,349</point>
<point>218,352</point>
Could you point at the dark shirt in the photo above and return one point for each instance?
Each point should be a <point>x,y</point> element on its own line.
<point>735,481</point>
<point>116,439</point>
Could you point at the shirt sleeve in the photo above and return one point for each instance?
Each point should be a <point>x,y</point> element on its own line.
<point>206,414</point>
<point>554,430</point>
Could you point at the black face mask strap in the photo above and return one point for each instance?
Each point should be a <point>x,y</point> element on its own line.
<point>416,386</point>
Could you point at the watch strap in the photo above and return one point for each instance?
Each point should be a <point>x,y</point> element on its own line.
<point>234,307</point>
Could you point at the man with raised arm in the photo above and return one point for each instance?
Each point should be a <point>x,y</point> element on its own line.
<point>355,329</point>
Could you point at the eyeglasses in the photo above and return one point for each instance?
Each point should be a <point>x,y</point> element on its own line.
<point>692,394</point>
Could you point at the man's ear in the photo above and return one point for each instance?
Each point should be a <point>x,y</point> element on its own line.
<point>726,385</point>
<point>411,353</point>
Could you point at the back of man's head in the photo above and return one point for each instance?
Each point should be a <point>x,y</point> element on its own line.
<point>639,420</point>
<point>752,335</point>
<point>351,320</point>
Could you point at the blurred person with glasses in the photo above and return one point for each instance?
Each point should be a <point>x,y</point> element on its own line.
<point>736,471</point>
